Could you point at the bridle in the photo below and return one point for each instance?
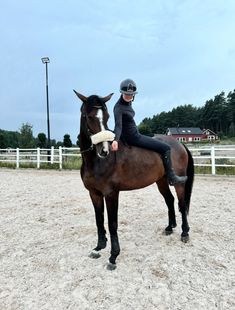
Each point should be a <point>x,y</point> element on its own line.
<point>87,150</point>
<point>84,114</point>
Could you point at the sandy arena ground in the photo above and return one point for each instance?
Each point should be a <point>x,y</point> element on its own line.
<point>48,228</point>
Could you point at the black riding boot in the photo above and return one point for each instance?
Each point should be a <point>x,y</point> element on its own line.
<point>171,176</point>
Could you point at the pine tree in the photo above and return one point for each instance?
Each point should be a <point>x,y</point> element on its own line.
<point>67,141</point>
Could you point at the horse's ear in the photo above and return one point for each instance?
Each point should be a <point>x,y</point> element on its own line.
<point>80,96</point>
<point>107,98</point>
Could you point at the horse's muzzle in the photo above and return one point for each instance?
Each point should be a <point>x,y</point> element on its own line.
<point>102,149</point>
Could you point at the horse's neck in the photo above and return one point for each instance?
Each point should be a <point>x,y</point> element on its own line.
<point>85,142</point>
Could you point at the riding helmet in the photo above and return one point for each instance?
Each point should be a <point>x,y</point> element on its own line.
<point>128,87</point>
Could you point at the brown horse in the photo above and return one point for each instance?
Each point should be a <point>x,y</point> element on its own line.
<point>106,173</point>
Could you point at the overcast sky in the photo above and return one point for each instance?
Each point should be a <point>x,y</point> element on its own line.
<point>178,52</point>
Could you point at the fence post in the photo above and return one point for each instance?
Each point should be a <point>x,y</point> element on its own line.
<point>38,158</point>
<point>17,158</point>
<point>213,160</point>
<point>60,157</point>
<point>52,154</point>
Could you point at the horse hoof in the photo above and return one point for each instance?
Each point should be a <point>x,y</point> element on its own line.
<point>94,254</point>
<point>168,232</point>
<point>185,239</point>
<point>111,266</point>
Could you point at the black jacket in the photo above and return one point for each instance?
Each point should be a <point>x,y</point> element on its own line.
<point>125,125</point>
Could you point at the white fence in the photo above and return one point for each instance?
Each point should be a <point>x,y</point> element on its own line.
<point>210,156</point>
<point>214,156</point>
<point>38,156</point>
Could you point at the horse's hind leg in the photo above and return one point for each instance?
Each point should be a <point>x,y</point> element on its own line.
<point>169,199</point>
<point>98,203</point>
<point>183,208</point>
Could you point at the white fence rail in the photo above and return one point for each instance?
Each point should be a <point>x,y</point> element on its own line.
<point>210,156</point>
<point>38,156</point>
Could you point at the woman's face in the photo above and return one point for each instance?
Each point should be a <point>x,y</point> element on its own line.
<point>127,98</point>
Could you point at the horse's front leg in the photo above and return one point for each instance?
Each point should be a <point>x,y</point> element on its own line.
<point>112,209</point>
<point>98,203</point>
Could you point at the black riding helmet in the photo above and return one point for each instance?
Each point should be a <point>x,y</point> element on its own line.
<point>128,87</point>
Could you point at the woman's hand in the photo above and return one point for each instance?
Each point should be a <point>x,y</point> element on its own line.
<point>114,145</point>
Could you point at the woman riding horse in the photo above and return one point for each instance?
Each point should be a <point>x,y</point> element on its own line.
<point>126,130</point>
<point>105,173</point>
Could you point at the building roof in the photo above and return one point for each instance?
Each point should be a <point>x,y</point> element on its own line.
<point>211,132</point>
<point>185,131</point>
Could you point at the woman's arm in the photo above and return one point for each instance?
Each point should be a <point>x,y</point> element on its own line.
<point>118,123</point>
<point>117,127</point>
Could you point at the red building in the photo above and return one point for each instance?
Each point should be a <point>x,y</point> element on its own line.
<point>191,134</point>
<point>210,135</point>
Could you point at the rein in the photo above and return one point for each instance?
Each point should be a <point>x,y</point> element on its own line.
<point>87,150</point>
<point>89,134</point>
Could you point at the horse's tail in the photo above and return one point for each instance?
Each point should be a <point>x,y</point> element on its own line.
<point>189,182</point>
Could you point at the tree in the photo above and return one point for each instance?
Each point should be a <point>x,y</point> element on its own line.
<point>78,140</point>
<point>145,129</point>
<point>67,141</point>
<point>231,131</point>
<point>59,143</point>
<point>3,142</point>
<point>26,139</point>
<point>231,110</point>
<point>42,140</point>
<point>217,114</point>
<point>10,138</point>
<point>53,142</point>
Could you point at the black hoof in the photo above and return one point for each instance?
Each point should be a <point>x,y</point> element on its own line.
<point>185,238</point>
<point>111,266</point>
<point>94,254</point>
<point>168,232</point>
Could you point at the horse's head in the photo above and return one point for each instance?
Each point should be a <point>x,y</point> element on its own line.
<point>94,119</point>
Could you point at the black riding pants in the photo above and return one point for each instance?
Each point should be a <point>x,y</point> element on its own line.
<point>147,143</point>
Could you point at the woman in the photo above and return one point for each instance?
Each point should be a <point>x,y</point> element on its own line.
<point>126,129</point>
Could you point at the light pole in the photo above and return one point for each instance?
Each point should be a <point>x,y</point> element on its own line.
<point>46,60</point>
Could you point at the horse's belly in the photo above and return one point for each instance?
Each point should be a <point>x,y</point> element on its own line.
<point>140,180</point>
<point>131,173</point>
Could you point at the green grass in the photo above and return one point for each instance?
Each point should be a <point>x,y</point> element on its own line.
<point>228,141</point>
<point>7,165</point>
<point>219,170</point>
<point>72,163</point>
